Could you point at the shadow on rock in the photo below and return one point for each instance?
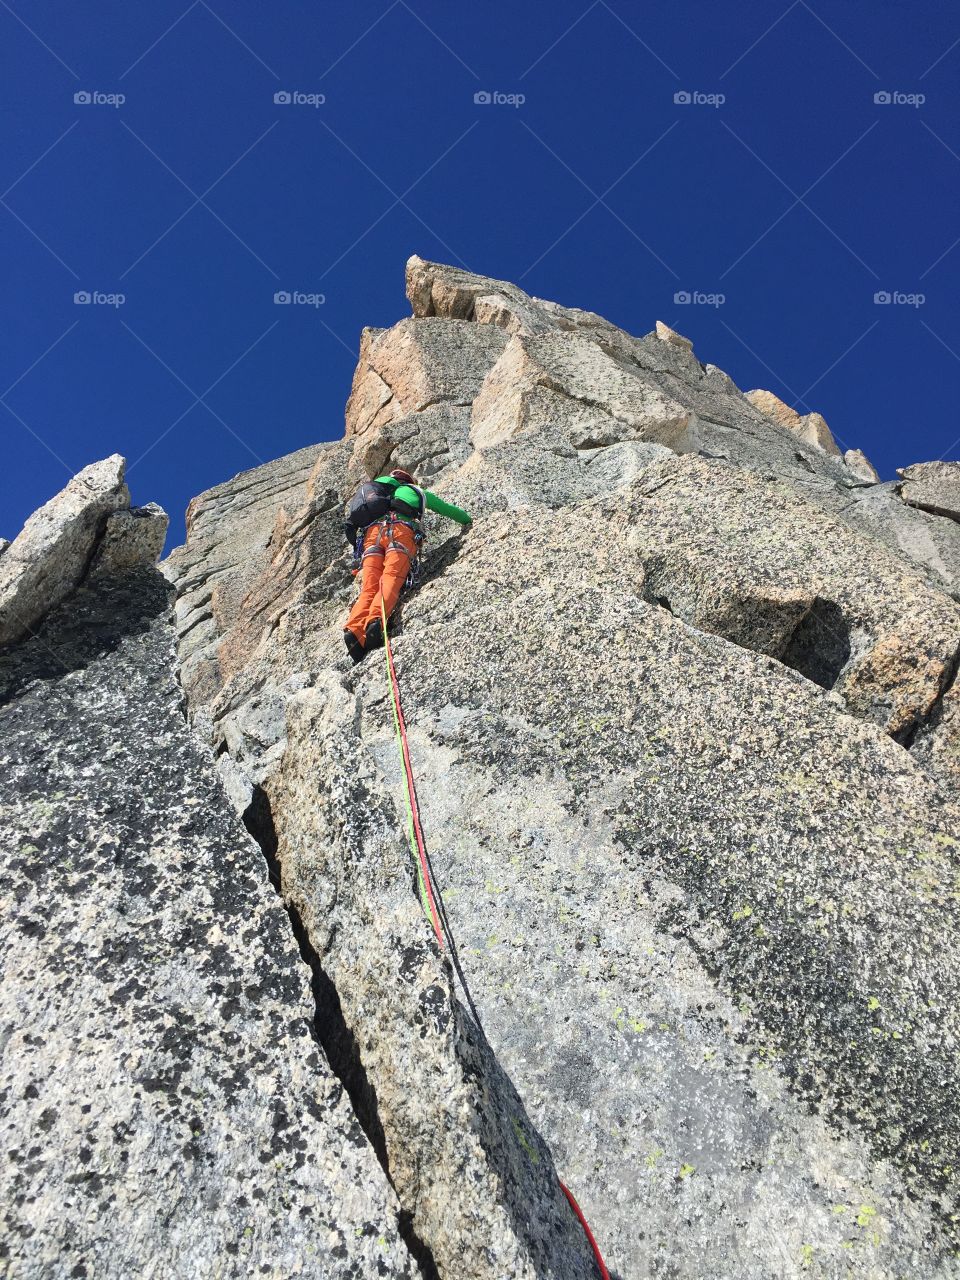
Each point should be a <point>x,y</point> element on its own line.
<point>90,624</point>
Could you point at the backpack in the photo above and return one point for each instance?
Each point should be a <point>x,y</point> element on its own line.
<point>407,509</point>
<point>370,503</point>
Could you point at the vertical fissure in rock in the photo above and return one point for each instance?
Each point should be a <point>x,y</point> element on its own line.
<point>329,1025</point>
<point>931,718</point>
<point>331,1030</point>
<point>95,543</point>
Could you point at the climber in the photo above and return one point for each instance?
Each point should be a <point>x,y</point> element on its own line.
<point>383,524</point>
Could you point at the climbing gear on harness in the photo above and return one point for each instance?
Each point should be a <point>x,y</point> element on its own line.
<point>390,551</point>
<point>432,899</point>
<point>386,527</point>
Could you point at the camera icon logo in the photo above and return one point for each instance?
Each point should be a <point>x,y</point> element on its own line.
<point>882,98</point>
<point>82,97</point>
<point>82,298</point>
<point>682,97</point>
<point>282,298</point>
<point>282,97</point>
<point>681,297</point>
<point>483,98</point>
<point>882,298</point>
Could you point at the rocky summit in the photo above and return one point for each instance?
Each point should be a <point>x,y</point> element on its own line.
<point>683,715</point>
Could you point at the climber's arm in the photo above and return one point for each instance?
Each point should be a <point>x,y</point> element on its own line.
<point>445,508</point>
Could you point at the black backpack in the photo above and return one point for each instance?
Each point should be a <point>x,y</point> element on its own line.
<point>370,503</point>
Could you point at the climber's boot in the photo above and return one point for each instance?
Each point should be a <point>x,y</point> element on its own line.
<point>354,647</point>
<point>373,636</point>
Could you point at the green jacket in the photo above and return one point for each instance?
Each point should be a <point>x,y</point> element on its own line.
<point>409,498</point>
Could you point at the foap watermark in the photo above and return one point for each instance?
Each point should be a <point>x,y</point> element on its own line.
<point>494,98</point>
<point>894,298</point>
<point>295,98</point>
<point>695,98</point>
<point>94,98</point>
<point>296,298</point>
<point>894,98</point>
<point>694,298</point>
<point>95,298</point>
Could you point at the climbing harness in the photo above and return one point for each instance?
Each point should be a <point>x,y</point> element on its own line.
<point>432,899</point>
<point>386,526</point>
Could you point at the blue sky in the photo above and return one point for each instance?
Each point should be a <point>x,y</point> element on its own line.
<point>781,186</point>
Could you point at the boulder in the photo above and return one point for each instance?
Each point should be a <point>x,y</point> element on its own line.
<point>933,487</point>
<point>861,466</point>
<point>750,561</point>
<point>416,364</point>
<point>810,427</point>
<point>566,380</point>
<point>773,407</point>
<point>813,429</point>
<point>52,552</point>
<point>131,538</point>
<point>666,334</point>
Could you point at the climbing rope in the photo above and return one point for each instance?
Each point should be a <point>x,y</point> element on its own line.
<point>601,1265</point>
<point>432,899</point>
<point>430,895</point>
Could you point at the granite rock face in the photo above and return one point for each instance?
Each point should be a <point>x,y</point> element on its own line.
<point>464,1157</point>
<point>229,536</point>
<point>753,562</point>
<point>683,711</point>
<point>166,1107</point>
<point>933,487</point>
<point>699,901</point>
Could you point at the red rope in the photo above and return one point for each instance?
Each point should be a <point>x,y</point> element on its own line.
<point>427,882</point>
<point>601,1265</point>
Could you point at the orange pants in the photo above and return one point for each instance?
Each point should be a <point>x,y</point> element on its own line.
<point>384,573</point>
